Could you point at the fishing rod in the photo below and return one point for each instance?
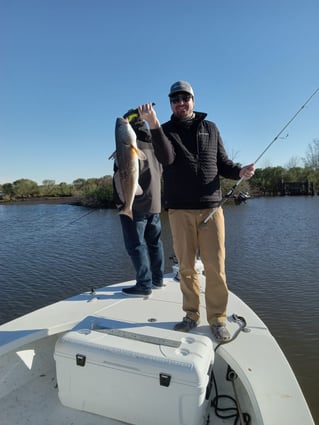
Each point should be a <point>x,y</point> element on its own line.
<point>80,218</point>
<point>242,197</point>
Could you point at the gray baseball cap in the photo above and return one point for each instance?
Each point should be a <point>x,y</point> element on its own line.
<point>181,86</point>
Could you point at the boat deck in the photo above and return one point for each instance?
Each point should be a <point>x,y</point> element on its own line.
<point>162,309</point>
<point>27,367</point>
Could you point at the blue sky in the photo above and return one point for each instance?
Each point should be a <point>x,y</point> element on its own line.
<point>70,67</point>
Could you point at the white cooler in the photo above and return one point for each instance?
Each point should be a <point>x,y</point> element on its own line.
<point>139,375</point>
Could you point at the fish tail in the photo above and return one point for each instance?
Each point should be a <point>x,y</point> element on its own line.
<point>127,212</point>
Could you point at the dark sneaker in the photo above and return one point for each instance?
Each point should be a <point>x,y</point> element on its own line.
<point>185,325</point>
<point>158,285</point>
<point>220,332</point>
<point>137,291</point>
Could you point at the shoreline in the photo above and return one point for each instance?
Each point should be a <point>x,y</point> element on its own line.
<point>71,200</point>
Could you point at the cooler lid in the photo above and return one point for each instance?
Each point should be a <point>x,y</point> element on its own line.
<point>144,350</point>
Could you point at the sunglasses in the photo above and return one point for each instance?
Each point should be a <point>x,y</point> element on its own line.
<point>185,98</point>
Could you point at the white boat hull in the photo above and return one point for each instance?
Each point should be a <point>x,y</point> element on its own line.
<point>252,367</point>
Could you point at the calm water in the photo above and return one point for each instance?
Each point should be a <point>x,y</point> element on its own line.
<point>49,252</point>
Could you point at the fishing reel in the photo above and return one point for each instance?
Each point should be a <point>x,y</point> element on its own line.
<point>242,197</point>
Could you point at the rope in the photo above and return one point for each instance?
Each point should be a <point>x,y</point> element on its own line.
<point>235,410</point>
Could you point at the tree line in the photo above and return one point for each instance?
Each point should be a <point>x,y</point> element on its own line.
<point>88,192</point>
<point>98,192</point>
<point>274,180</point>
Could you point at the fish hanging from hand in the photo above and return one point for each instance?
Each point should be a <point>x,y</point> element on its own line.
<point>127,155</point>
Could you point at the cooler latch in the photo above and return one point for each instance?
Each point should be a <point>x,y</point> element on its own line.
<point>80,360</point>
<point>165,379</point>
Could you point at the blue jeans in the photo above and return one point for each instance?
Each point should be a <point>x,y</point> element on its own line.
<point>144,246</point>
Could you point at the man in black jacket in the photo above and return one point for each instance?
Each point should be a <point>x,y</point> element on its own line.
<point>142,235</point>
<point>193,157</point>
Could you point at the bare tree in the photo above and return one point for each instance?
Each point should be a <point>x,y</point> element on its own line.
<point>293,162</point>
<point>312,155</point>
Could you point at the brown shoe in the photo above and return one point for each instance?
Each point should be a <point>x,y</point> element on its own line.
<point>185,325</point>
<point>220,332</point>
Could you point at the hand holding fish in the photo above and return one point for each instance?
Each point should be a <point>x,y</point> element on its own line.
<point>147,113</point>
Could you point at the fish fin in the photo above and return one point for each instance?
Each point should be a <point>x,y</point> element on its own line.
<point>113,156</point>
<point>140,154</point>
<point>139,190</point>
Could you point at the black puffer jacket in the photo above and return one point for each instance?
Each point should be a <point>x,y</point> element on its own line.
<point>193,157</point>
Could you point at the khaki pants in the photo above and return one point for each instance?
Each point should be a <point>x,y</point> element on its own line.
<point>209,240</point>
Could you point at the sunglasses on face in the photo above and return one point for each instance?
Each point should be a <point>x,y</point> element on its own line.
<point>184,98</point>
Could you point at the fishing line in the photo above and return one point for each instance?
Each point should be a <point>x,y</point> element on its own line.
<point>79,218</point>
<point>231,191</point>
<point>69,223</point>
<point>288,123</point>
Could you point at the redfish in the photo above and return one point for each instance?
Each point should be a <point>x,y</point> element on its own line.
<point>127,156</point>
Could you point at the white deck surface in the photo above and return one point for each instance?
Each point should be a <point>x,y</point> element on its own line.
<point>255,356</point>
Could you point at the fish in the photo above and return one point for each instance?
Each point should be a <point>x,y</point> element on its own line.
<point>127,155</point>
